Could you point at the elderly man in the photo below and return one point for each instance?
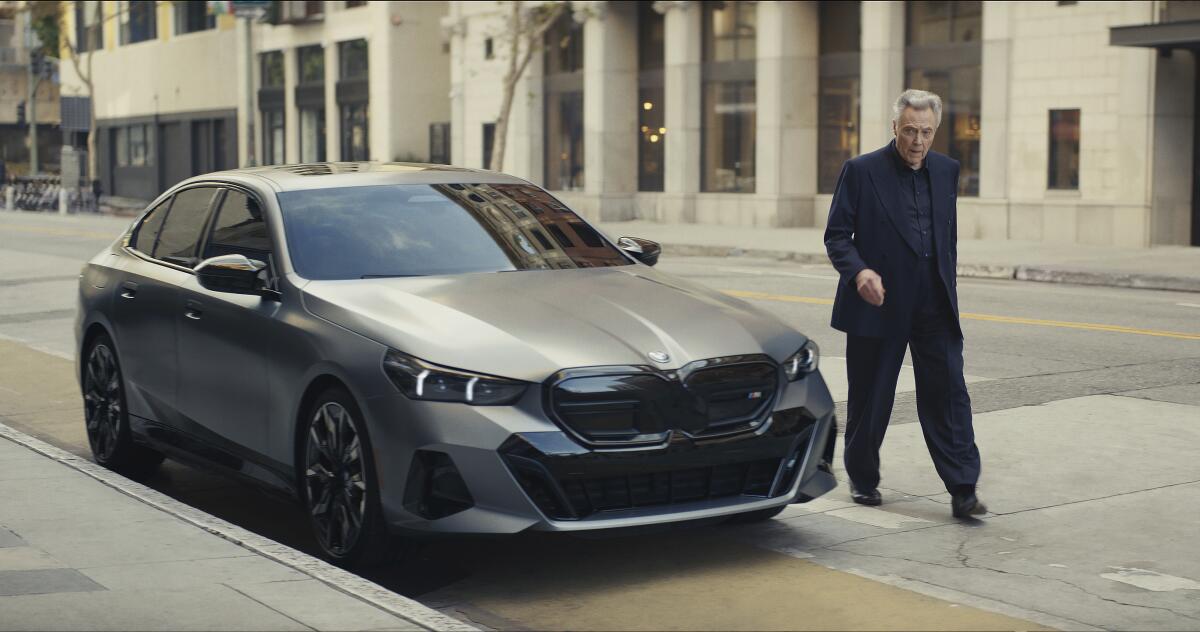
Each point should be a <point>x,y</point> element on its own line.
<point>892,235</point>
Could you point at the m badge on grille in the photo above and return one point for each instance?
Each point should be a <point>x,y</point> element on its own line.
<point>659,356</point>
<point>754,395</point>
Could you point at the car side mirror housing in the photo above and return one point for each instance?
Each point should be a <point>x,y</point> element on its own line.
<point>643,250</point>
<point>236,274</point>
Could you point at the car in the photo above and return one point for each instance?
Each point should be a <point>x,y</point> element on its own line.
<point>410,349</point>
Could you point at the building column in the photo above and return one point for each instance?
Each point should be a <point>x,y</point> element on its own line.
<point>454,30</point>
<point>786,80</point>
<point>882,71</point>
<point>610,102</point>
<point>245,96</point>
<point>991,220</point>
<point>681,181</point>
<point>379,76</point>
<point>333,117</point>
<point>291,114</point>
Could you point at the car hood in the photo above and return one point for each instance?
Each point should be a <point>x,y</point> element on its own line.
<point>528,325</point>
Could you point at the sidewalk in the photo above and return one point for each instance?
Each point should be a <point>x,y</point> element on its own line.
<point>84,549</point>
<point>1158,268</point>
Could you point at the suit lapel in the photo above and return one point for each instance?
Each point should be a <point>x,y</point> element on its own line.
<point>887,188</point>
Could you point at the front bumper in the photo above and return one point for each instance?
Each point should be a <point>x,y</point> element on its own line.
<point>521,471</point>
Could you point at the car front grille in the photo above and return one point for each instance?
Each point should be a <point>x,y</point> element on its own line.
<point>638,405</point>
<point>584,483</point>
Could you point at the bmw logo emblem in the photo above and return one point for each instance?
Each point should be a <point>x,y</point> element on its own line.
<point>659,357</point>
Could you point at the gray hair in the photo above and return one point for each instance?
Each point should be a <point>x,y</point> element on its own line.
<point>918,100</point>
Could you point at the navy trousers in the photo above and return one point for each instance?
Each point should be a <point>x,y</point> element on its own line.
<point>943,405</point>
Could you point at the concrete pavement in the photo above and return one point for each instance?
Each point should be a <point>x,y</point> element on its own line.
<point>82,548</point>
<point>1159,268</point>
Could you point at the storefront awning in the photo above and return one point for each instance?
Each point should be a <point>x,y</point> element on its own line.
<point>1165,35</point>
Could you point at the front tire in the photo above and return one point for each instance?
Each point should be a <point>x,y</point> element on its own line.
<point>106,417</point>
<point>338,483</point>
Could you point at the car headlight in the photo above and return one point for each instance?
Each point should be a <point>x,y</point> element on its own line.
<point>418,379</point>
<point>802,362</point>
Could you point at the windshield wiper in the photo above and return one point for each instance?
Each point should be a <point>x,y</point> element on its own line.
<point>388,276</point>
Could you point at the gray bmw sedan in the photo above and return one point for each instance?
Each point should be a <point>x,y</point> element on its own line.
<point>407,348</point>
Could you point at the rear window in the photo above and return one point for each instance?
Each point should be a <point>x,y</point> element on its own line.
<point>422,230</point>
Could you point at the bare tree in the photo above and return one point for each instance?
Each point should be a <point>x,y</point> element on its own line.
<point>527,25</point>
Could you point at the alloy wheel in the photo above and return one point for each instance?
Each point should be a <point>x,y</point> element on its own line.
<point>102,401</point>
<point>335,478</point>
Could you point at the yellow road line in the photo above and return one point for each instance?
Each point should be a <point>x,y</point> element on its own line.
<point>1013,320</point>
<point>61,232</point>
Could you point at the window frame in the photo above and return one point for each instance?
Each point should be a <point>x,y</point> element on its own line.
<point>210,224</point>
<point>738,74</point>
<point>1050,151</point>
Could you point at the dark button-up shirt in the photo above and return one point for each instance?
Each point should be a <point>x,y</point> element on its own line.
<point>917,202</point>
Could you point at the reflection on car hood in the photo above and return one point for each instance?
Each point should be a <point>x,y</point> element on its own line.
<point>529,325</point>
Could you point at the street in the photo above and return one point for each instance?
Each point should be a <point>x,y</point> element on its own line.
<point>1087,414</point>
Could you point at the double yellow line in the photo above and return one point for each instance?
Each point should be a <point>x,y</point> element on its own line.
<point>1012,320</point>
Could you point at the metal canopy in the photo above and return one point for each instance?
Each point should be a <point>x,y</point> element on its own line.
<point>1166,35</point>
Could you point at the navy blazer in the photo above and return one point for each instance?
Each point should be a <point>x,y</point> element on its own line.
<point>868,228</point>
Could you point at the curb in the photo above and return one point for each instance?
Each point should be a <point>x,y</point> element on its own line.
<point>328,574</point>
<point>967,270</point>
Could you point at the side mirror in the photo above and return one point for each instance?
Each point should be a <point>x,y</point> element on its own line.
<point>643,250</point>
<point>235,274</point>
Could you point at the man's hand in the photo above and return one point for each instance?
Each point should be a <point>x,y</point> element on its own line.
<point>870,286</point>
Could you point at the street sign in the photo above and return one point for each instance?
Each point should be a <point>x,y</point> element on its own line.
<point>239,8</point>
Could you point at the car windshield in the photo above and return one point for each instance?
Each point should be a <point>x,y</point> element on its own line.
<point>430,229</point>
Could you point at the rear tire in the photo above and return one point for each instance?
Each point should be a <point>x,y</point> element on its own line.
<point>106,416</point>
<point>338,483</point>
<point>760,515</point>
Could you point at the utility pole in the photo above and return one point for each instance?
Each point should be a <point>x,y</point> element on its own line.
<point>32,81</point>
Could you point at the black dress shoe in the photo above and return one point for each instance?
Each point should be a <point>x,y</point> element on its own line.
<point>866,497</point>
<point>967,505</point>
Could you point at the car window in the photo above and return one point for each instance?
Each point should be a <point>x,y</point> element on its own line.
<point>239,229</point>
<point>181,231</point>
<point>147,232</point>
<point>423,229</point>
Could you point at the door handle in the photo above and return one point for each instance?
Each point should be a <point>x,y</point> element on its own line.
<point>194,310</point>
<point>129,289</point>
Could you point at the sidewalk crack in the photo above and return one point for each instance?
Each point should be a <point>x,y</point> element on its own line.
<point>269,607</point>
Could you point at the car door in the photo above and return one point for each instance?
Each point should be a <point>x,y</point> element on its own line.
<point>223,337</point>
<point>145,307</point>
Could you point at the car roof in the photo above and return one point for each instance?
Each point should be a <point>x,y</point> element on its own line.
<point>327,175</point>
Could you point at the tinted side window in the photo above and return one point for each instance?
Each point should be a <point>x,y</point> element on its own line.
<point>181,233</point>
<point>146,234</point>
<point>239,229</point>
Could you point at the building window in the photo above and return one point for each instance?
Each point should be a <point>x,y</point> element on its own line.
<point>943,55</point>
<point>354,59</point>
<point>651,104</point>
<point>1064,150</point>
<point>89,25</point>
<point>138,21</point>
<point>134,145</point>
<point>273,137</point>
<point>312,135</point>
<point>564,105</point>
<point>310,100</point>
<point>350,4</point>
<point>728,96</point>
<point>353,91</point>
<point>272,69</point>
<point>439,143</point>
<point>312,64</point>
<point>193,16</point>
<point>839,90</point>
<point>489,49</point>
<point>355,145</point>
<point>489,143</point>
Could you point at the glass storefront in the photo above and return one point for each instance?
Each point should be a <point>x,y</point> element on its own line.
<point>728,93</point>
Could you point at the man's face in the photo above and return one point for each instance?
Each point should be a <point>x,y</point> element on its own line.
<point>914,132</point>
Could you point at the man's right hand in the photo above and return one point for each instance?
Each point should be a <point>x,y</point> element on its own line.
<point>870,286</point>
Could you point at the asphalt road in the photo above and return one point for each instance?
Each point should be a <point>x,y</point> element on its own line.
<point>1087,404</point>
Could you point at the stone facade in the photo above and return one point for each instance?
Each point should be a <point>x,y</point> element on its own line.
<point>1136,117</point>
